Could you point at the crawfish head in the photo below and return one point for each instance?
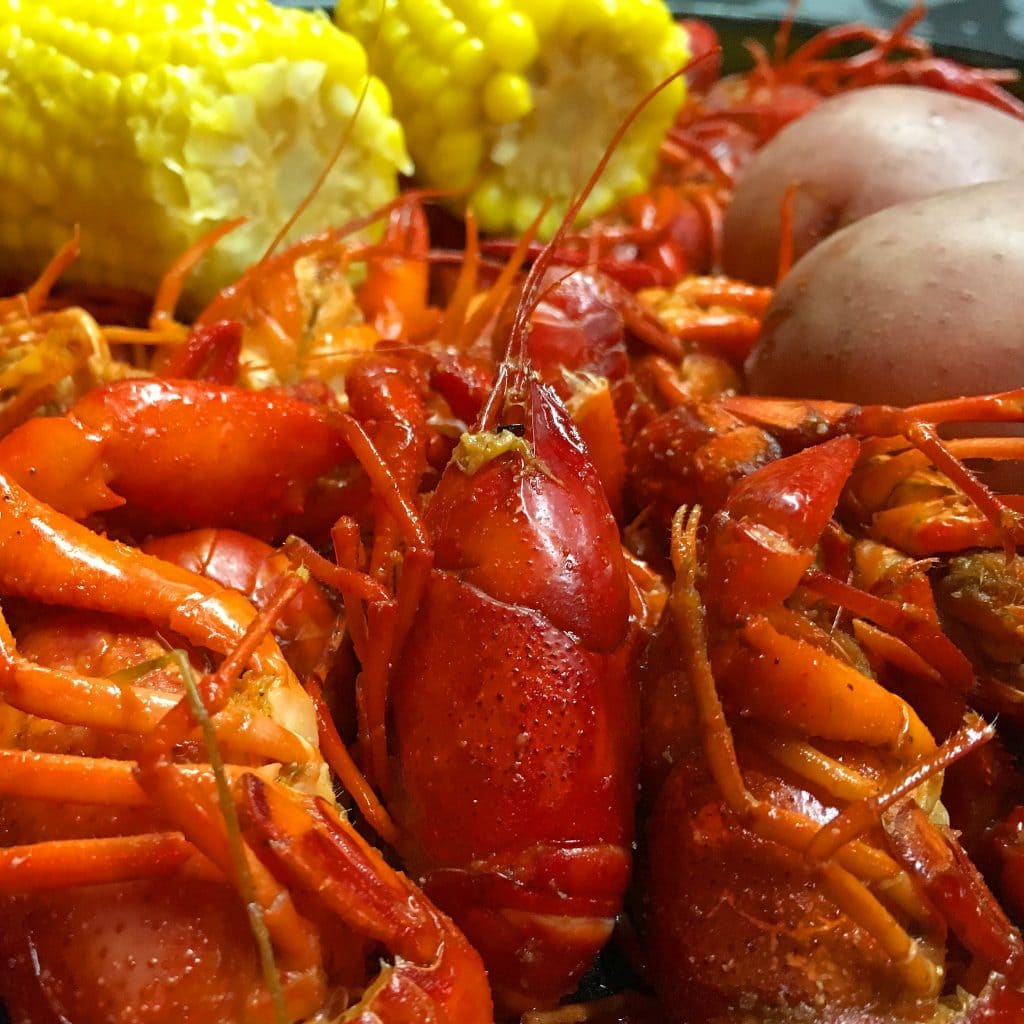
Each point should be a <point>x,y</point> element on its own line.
<point>530,524</point>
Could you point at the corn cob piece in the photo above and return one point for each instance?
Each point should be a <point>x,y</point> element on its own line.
<point>517,99</point>
<point>149,123</point>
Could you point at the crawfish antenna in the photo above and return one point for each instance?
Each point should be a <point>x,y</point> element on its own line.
<point>321,177</point>
<point>346,134</point>
<point>786,208</point>
<point>532,286</point>
<point>783,33</point>
<point>917,12</point>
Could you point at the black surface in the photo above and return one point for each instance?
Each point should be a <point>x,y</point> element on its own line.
<point>988,33</point>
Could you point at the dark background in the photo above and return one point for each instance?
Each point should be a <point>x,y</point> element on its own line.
<point>983,26</point>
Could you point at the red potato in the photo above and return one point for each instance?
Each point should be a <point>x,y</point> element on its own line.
<point>915,303</point>
<point>856,154</point>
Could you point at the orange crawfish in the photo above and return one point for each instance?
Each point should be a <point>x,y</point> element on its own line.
<point>798,863</point>
<point>527,737</point>
<point>243,563</point>
<point>147,453</point>
<point>783,86</point>
<point>496,683</point>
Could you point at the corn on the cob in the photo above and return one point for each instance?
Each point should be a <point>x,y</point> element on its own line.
<point>517,99</point>
<point>149,123</point>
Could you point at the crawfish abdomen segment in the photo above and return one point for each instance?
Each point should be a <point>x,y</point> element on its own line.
<point>140,953</point>
<point>529,723</point>
<point>516,748</point>
<point>739,922</point>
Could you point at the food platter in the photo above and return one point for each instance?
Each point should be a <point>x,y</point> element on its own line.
<point>584,590</point>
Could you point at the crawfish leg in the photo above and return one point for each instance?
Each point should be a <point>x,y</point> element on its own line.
<point>437,975</point>
<point>49,557</point>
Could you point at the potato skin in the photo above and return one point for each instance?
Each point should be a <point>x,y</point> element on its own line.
<point>918,302</point>
<point>856,154</point>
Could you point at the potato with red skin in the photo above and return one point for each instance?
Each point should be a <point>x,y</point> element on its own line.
<point>856,154</point>
<point>915,303</point>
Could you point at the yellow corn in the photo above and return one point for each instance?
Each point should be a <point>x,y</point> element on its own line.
<point>515,100</point>
<point>147,124</point>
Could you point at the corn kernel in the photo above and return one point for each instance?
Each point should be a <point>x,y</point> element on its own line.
<point>457,107</point>
<point>447,36</point>
<point>480,12</point>
<point>422,16</point>
<point>489,204</point>
<point>123,52</point>
<point>456,157</point>
<point>512,41</point>
<point>542,14</point>
<point>414,68</point>
<point>507,97</point>
<point>379,97</point>
<point>348,59</point>
<point>525,210</point>
<point>433,78</point>
<point>581,16</point>
<point>421,131</point>
<point>469,61</point>
<point>393,34</point>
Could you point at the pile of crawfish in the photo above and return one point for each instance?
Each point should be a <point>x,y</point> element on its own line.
<point>392,652</point>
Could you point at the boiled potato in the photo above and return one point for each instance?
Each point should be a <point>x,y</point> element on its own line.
<point>858,153</point>
<point>917,302</point>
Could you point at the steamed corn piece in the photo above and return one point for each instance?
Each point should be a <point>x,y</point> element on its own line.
<point>514,101</point>
<point>148,124</point>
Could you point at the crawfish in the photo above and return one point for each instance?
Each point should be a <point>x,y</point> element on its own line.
<point>253,568</point>
<point>527,735</point>
<point>177,453</point>
<point>782,87</point>
<point>698,449</point>
<point>302,319</point>
<point>787,871</point>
